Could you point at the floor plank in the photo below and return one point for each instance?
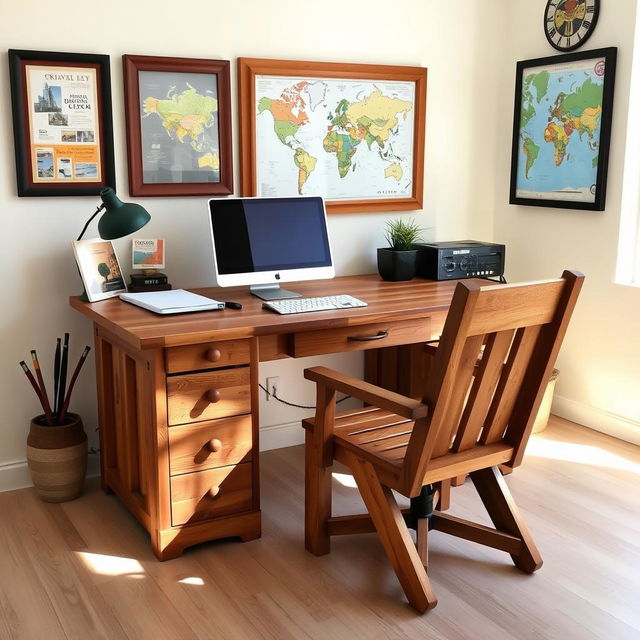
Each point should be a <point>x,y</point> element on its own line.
<point>84,569</point>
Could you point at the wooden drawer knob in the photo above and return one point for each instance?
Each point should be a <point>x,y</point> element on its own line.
<point>214,445</point>
<point>213,492</point>
<point>213,395</point>
<point>212,355</point>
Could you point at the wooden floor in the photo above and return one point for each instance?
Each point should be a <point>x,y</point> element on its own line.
<point>85,569</point>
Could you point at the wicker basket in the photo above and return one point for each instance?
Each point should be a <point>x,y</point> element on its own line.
<point>57,458</point>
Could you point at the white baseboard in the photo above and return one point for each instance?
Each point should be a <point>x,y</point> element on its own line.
<point>597,419</point>
<point>15,475</point>
<point>281,435</point>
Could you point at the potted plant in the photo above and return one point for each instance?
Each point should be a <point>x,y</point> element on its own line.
<point>397,262</point>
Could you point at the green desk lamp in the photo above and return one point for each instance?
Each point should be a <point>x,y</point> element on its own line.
<point>119,219</point>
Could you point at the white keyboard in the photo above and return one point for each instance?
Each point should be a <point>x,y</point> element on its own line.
<point>302,305</point>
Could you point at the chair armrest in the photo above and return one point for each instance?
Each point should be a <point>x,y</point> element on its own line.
<point>369,393</point>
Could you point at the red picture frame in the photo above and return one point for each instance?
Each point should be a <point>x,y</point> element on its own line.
<point>178,116</point>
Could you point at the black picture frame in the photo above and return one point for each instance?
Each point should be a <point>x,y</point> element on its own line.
<point>85,150</point>
<point>562,123</point>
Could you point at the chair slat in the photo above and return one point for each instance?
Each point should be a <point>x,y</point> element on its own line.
<point>484,386</point>
<point>380,433</point>
<point>519,305</point>
<point>460,388</point>
<point>506,394</point>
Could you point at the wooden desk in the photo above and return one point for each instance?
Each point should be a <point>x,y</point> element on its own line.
<point>178,395</point>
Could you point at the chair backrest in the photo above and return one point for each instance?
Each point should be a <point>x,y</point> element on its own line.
<point>491,368</point>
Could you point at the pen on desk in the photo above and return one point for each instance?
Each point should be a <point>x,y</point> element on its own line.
<point>43,390</point>
<point>65,406</point>
<point>232,305</point>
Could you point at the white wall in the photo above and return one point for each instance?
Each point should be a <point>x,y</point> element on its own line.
<point>599,381</point>
<point>36,261</point>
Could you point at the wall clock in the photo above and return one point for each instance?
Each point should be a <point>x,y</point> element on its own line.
<point>569,23</point>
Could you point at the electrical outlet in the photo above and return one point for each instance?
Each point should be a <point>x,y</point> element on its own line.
<point>272,386</point>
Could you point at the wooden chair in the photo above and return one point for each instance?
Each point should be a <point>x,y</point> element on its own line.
<point>468,423</point>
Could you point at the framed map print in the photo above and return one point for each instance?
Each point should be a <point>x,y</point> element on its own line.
<point>352,133</point>
<point>62,127</point>
<point>561,130</point>
<point>178,126</point>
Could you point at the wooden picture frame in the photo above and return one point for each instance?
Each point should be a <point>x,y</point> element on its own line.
<point>62,123</point>
<point>97,259</point>
<point>178,140</point>
<point>357,159</point>
<point>562,129</point>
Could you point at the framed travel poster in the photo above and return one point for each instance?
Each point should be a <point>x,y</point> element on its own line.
<point>561,130</point>
<point>62,126</point>
<point>178,115</point>
<point>352,133</point>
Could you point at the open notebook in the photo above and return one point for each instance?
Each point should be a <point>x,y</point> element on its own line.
<point>173,301</point>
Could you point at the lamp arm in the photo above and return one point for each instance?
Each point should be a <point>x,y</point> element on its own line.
<point>97,211</point>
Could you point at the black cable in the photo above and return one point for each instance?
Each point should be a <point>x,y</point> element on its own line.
<point>97,211</point>
<point>291,404</point>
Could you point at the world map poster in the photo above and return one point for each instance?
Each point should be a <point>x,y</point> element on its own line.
<point>340,138</point>
<point>561,130</point>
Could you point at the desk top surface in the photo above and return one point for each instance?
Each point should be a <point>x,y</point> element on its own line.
<point>387,300</point>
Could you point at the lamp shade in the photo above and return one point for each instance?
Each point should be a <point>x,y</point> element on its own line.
<point>120,218</point>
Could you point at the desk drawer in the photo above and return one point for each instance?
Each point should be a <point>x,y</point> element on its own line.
<point>209,355</point>
<point>211,494</point>
<point>205,396</point>
<point>368,336</point>
<point>207,445</point>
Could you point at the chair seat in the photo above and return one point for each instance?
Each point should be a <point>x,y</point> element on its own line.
<point>382,436</point>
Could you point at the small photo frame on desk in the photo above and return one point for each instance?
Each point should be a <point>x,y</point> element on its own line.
<point>148,253</point>
<point>99,269</point>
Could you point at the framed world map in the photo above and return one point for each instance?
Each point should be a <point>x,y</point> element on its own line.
<point>351,133</point>
<point>178,126</point>
<point>561,130</point>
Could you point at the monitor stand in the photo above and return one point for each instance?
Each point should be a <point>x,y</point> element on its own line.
<point>272,292</point>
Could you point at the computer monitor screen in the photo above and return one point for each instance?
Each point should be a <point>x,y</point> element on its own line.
<point>264,241</point>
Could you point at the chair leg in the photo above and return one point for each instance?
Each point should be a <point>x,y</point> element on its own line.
<point>506,517</point>
<point>422,540</point>
<point>394,535</point>
<point>317,500</point>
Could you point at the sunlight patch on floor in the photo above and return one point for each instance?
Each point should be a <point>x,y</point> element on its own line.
<point>345,479</point>
<point>198,582</point>
<point>579,453</point>
<point>111,565</point>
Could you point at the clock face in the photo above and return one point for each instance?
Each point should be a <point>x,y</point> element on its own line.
<point>568,23</point>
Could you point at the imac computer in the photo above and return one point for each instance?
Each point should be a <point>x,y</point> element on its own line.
<point>262,242</point>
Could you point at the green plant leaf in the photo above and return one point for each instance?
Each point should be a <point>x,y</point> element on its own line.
<point>401,235</point>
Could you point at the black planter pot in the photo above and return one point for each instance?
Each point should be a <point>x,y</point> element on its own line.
<point>396,266</point>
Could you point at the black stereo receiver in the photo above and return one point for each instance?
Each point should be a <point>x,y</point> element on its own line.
<point>459,259</point>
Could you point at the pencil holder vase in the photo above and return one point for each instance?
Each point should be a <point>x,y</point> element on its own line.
<point>57,458</point>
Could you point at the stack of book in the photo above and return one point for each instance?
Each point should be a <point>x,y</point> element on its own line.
<point>148,282</point>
